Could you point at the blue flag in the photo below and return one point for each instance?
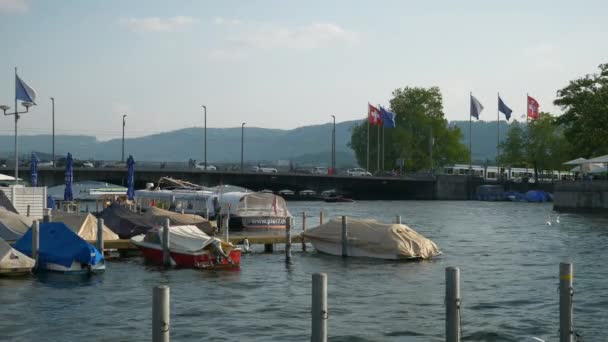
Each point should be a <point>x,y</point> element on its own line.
<point>388,118</point>
<point>23,91</point>
<point>502,107</point>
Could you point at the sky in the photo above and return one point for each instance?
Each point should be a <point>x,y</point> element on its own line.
<point>284,64</point>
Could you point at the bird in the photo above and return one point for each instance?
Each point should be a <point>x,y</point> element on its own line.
<point>548,223</point>
<point>246,246</point>
<point>557,219</point>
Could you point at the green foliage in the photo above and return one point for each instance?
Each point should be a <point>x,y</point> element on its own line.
<point>585,120</point>
<point>420,120</point>
<point>512,149</point>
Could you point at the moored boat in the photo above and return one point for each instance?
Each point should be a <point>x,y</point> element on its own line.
<point>189,247</point>
<point>13,262</point>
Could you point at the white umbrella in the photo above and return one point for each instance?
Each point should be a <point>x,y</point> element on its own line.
<point>577,161</point>
<point>601,159</point>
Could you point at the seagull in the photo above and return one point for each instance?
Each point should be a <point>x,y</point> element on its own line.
<point>557,219</point>
<point>246,246</point>
<point>549,221</point>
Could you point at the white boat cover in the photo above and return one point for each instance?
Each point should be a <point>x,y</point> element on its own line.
<point>158,216</point>
<point>13,226</point>
<point>187,238</point>
<point>83,224</point>
<point>376,238</point>
<point>245,204</point>
<point>11,258</point>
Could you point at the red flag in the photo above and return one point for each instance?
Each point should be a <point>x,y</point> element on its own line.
<point>373,115</point>
<point>533,109</point>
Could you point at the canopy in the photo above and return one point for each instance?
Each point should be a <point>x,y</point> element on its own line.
<point>13,225</point>
<point>601,159</point>
<point>158,216</point>
<point>254,204</point>
<point>59,245</point>
<point>124,222</point>
<point>11,258</point>
<point>183,238</point>
<point>83,224</point>
<point>577,161</point>
<point>376,238</point>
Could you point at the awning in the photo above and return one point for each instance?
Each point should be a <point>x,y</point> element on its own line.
<point>577,161</point>
<point>601,159</point>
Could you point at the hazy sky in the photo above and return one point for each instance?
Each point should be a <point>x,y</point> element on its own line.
<point>284,64</point>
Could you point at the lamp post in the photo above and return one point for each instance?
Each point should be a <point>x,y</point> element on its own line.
<point>53,110</point>
<point>333,146</point>
<point>123,137</point>
<point>205,150</point>
<point>16,113</point>
<point>242,144</point>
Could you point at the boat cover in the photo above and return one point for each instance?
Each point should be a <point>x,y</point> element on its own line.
<point>6,203</point>
<point>377,238</point>
<point>59,245</point>
<point>246,204</point>
<point>11,258</point>
<point>184,238</point>
<point>158,216</point>
<point>83,224</point>
<point>12,225</point>
<point>124,222</point>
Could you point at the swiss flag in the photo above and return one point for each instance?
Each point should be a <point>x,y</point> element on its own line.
<point>533,109</point>
<point>373,115</point>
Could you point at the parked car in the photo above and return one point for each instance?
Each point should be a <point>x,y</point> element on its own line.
<point>357,172</point>
<point>201,166</point>
<point>320,170</point>
<point>45,163</point>
<point>263,169</point>
<point>88,164</point>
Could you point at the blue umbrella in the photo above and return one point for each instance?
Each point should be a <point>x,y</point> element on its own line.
<point>130,178</point>
<point>69,178</point>
<point>50,202</point>
<point>34,170</point>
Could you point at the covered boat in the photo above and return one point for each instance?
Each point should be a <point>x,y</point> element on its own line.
<point>13,262</point>
<point>84,224</point>
<point>253,211</point>
<point>13,225</point>
<point>189,247</point>
<point>124,222</point>
<point>369,238</point>
<point>61,250</point>
<point>159,216</point>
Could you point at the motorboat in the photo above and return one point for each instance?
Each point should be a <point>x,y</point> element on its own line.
<point>62,250</point>
<point>13,262</point>
<point>189,247</point>
<point>252,212</point>
<point>372,239</point>
<point>337,199</point>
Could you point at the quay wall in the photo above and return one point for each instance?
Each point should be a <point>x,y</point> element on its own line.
<point>581,196</point>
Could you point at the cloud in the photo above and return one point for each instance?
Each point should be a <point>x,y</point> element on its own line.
<point>224,21</point>
<point>156,24</point>
<point>13,6</point>
<point>312,36</point>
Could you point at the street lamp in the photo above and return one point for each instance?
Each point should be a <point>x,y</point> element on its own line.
<point>123,137</point>
<point>242,143</point>
<point>53,102</point>
<point>16,113</point>
<point>333,146</point>
<point>205,154</point>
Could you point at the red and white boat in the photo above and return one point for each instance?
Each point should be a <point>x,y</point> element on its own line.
<point>189,247</point>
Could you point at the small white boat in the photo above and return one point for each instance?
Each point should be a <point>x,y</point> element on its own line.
<point>13,262</point>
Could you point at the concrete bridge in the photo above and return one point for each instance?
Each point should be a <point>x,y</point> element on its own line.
<point>421,187</point>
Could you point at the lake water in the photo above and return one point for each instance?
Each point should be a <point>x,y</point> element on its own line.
<point>509,259</point>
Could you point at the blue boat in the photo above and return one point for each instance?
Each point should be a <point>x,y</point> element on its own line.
<point>62,250</point>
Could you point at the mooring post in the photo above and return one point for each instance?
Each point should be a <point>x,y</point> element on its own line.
<point>100,235</point>
<point>452,304</point>
<point>228,224</point>
<point>303,230</point>
<point>321,217</point>
<point>160,314</point>
<point>288,239</point>
<point>344,236</point>
<point>398,219</point>
<point>28,211</point>
<point>35,241</point>
<point>97,206</point>
<point>47,215</point>
<point>566,275</point>
<point>166,253</point>
<point>319,308</point>
<point>207,214</point>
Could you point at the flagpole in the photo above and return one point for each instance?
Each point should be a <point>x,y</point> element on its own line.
<point>378,149</point>
<point>498,136</point>
<point>470,137</point>
<point>367,166</point>
<point>383,146</point>
<point>16,146</point>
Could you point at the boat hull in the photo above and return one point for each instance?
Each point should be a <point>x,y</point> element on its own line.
<point>75,268</point>
<point>257,224</point>
<point>15,272</point>
<point>201,260</point>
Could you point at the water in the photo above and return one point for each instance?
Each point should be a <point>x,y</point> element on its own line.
<point>509,268</point>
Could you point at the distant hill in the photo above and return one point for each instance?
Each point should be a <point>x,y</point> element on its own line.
<point>483,137</point>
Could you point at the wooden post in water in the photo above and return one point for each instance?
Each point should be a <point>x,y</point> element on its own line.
<point>28,211</point>
<point>35,241</point>
<point>166,253</point>
<point>344,237</point>
<point>228,225</point>
<point>398,219</point>
<point>566,275</point>
<point>452,304</point>
<point>97,206</point>
<point>288,239</point>
<point>319,308</point>
<point>160,314</point>
<point>100,235</point>
<point>321,217</point>
<point>303,230</point>
<point>206,213</point>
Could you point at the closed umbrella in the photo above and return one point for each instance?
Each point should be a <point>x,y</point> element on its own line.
<point>34,170</point>
<point>69,178</point>
<point>130,178</point>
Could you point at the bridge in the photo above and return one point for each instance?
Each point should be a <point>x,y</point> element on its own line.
<point>413,187</point>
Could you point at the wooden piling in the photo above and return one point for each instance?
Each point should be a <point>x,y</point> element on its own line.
<point>207,214</point>
<point>160,314</point>
<point>566,275</point>
<point>319,308</point>
<point>35,241</point>
<point>303,230</point>
<point>344,237</point>
<point>97,206</point>
<point>289,224</point>
<point>100,235</point>
<point>452,304</point>
<point>320,217</point>
<point>166,253</point>
<point>227,229</point>
<point>28,211</point>
<point>398,219</point>
<point>268,248</point>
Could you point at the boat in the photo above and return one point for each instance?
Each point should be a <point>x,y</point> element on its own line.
<point>88,190</point>
<point>124,222</point>
<point>12,225</point>
<point>13,262</point>
<point>338,199</point>
<point>84,225</point>
<point>62,250</point>
<point>189,247</point>
<point>372,239</point>
<point>253,212</point>
<point>160,216</point>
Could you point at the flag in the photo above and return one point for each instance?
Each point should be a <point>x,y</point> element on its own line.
<point>476,107</point>
<point>388,118</point>
<point>533,109</point>
<point>23,91</point>
<point>502,107</point>
<point>374,116</point>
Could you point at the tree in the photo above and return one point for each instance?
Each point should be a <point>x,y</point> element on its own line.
<point>512,149</point>
<point>585,120</point>
<point>421,126</point>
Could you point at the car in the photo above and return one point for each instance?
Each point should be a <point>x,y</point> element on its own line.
<point>320,170</point>
<point>45,163</point>
<point>201,166</point>
<point>263,169</point>
<point>358,172</point>
<point>88,164</point>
